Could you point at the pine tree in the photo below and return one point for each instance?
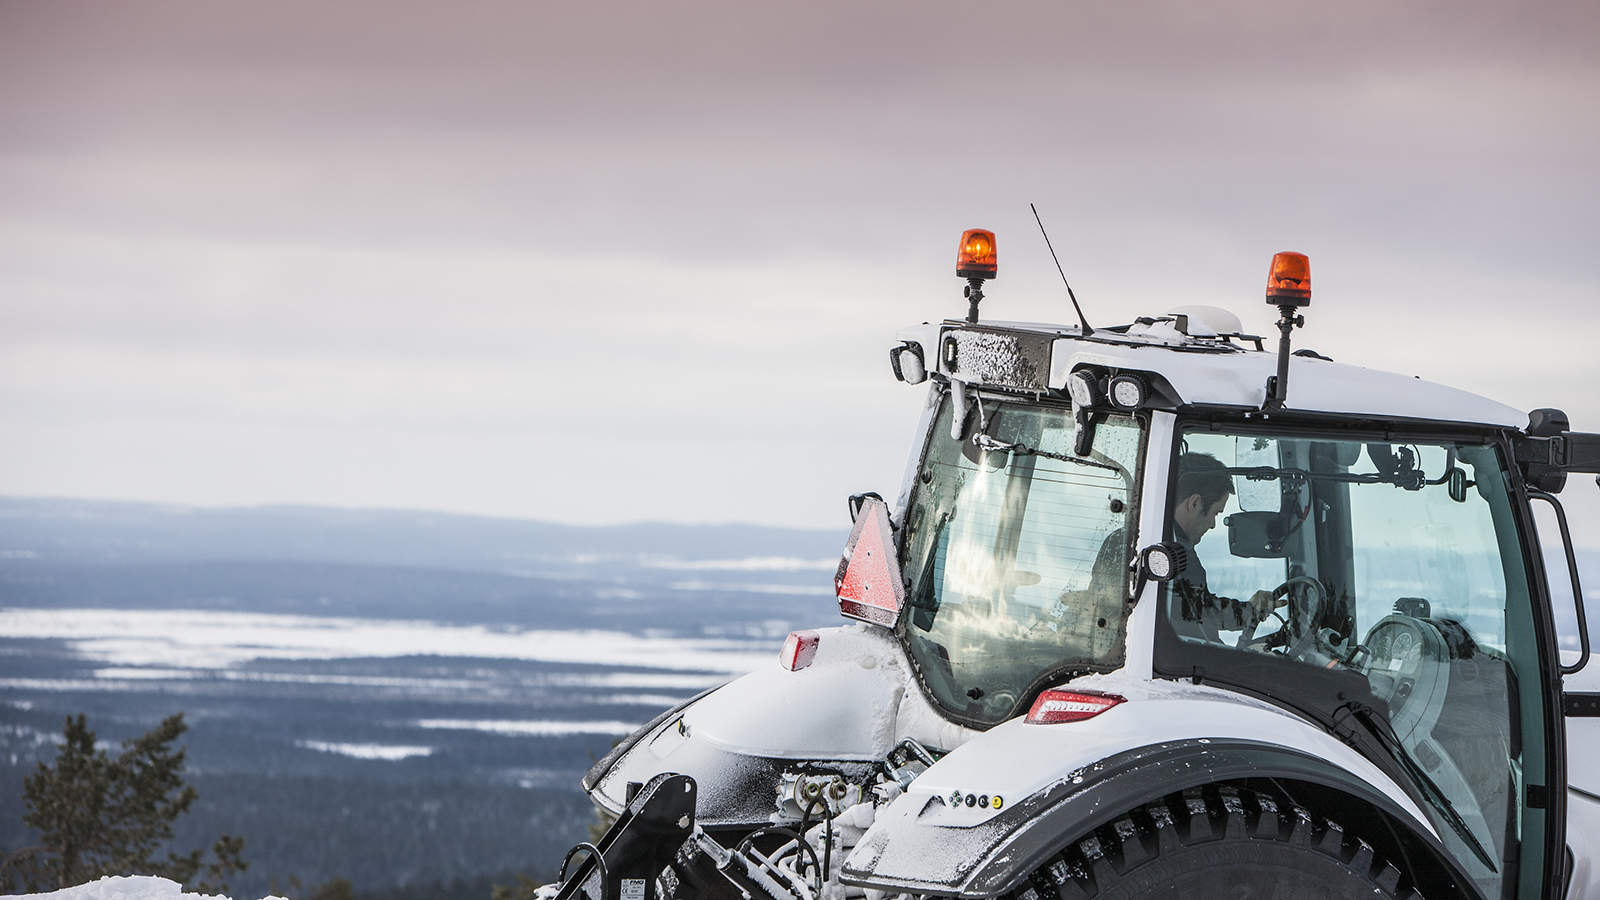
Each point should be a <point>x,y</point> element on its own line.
<point>97,815</point>
<point>334,889</point>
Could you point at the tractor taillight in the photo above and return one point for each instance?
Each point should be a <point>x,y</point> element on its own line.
<point>799,649</point>
<point>976,259</point>
<point>1054,707</point>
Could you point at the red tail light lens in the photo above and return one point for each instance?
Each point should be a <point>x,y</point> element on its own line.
<point>1054,707</point>
<point>799,649</point>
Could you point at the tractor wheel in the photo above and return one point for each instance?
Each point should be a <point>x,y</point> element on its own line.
<point>1216,843</point>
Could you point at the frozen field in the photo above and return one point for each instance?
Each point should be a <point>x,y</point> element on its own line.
<point>353,716</point>
<point>434,751</point>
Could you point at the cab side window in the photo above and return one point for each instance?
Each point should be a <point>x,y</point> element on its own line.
<point>1396,562</point>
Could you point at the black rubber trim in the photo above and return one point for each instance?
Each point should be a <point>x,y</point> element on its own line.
<point>1026,836</point>
<point>600,769</point>
<point>1579,705</point>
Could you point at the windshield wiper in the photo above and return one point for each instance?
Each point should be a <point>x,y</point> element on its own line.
<point>989,444</point>
<point>1379,728</point>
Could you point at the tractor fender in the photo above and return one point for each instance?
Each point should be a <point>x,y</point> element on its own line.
<point>997,808</point>
<point>837,713</point>
<point>1583,845</point>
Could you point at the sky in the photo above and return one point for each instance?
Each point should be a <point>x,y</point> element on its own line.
<point>608,262</point>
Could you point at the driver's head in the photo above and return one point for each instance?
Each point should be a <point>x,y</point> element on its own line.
<point>1203,490</point>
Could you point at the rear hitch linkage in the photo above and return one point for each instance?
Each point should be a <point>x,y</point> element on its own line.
<point>656,837</point>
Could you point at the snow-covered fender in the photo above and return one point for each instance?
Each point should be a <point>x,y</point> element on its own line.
<point>835,714</point>
<point>980,820</point>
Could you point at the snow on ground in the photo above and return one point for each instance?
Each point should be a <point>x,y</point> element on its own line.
<point>211,639</point>
<point>540,728</point>
<point>130,887</point>
<point>389,752</point>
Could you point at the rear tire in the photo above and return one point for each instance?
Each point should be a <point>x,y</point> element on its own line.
<point>1217,843</point>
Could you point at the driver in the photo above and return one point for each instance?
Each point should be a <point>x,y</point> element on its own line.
<point>1203,490</point>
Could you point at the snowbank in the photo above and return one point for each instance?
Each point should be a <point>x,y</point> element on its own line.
<point>130,887</point>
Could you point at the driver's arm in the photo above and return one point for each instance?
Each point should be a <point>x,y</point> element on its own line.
<point>1224,613</point>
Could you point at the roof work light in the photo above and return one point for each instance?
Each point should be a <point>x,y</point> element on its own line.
<point>1083,388</point>
<point>1129,392</point>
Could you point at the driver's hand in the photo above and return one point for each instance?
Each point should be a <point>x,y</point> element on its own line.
<point>1262,604</point>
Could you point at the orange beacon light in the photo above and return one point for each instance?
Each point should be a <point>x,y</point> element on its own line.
<point>976,258</point>
<point>1289,280</point>
<point>975,262</point>
<point>1288,288</point>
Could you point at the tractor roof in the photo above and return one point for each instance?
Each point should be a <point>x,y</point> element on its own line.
<point>1200,366</point>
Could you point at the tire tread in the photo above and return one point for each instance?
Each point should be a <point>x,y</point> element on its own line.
<point>1090,865</point>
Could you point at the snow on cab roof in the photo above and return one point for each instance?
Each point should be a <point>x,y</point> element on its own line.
<point>1211,370</point>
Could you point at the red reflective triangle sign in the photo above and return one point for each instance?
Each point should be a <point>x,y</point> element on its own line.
<point>868,581</point>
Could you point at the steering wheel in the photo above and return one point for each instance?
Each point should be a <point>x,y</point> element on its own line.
<point>1304,608</point>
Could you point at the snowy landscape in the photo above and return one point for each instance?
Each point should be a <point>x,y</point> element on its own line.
<point>276,278</point>
<point>403,700</point>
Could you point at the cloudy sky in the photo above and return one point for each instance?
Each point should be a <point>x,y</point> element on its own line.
<point>603,262</point>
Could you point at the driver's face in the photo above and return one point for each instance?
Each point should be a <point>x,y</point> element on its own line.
<point>1207,519</point>
<point>1196,518</point>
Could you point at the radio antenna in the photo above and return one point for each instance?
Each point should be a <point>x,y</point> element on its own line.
<point>1073,297</point>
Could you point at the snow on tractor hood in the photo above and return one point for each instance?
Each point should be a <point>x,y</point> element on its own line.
<point>1201,370</point>
<point>842,711</point>
<point>801,715</point>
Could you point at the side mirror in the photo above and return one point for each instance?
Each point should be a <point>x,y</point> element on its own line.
<point>1257,535</point>
<point>907,362</point>
<point>856,500</point>
<point>1257,494</point>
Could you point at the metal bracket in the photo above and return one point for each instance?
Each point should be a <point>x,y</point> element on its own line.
<point>632,854</point>
<point>1577,705</point>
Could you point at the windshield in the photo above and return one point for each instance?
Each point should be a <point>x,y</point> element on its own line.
<point>1016,555</point>
<point>1396,562</point>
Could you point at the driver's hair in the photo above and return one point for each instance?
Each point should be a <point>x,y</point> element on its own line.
<point>1203,474</point>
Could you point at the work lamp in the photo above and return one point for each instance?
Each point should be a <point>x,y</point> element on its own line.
<point>1129,391</point>
<point>1083,388</point>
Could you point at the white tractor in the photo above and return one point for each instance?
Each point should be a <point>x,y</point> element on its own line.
<point>1156,612</point>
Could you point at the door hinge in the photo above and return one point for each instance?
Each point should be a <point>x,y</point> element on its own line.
<point>1538,796</point>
